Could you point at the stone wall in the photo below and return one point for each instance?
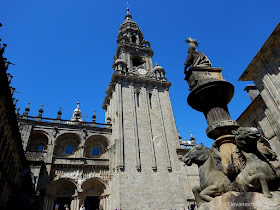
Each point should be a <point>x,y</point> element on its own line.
<point>152,176</point>
<point>264,71</point>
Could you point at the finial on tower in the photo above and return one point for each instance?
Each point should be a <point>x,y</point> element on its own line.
<point>40,112</point>
<point>128,15</point>
<point>77,114</point>
<point>27,109</point>
<point>192,139</point>
<point>59,113</point>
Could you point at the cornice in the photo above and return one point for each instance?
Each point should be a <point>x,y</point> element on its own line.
<point>135,47</point>
<point>132,79</point>
<point>272,41</point>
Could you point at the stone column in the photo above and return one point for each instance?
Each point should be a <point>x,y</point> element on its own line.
<point>73,205</point>
<point>150,131</point>
<point>50,203</point>
<point>104,201</point>
<point>80,199</point>
<point>135,127</point>
<point>160,116</point>
<point>210,94</point>
<point>120,120</point>
<point>46,203</point>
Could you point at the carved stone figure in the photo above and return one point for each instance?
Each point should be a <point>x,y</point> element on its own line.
<point>260,171</point>
<point>195,59</point>
<point>227,165</point>
<point>213,182</point>
<point>269,154</point>
<point>258,174</point>
<point>265,150</point>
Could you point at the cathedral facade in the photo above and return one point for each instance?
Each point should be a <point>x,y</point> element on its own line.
<point>130,162</point>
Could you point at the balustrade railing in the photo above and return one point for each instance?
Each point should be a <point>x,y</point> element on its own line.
<point>65,122</point>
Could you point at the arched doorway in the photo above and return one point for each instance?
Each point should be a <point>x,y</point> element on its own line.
<point>62,193</point>
<point>93,189</point>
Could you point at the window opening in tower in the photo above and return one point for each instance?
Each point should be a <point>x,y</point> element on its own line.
<point>150,100</point>
<point>133,39</point>
<point>137,61</point>
<point>137,99</point>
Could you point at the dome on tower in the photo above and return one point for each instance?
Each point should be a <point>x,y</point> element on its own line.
<point>119,60</point>
<point>158,68</point>
<point>77,113</point>
<point>159,72</point>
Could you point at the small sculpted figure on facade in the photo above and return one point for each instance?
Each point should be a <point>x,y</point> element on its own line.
<point>195,58</point>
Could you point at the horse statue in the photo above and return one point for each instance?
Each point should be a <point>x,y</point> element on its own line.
<point>213,182</point>
<point>259,174</point>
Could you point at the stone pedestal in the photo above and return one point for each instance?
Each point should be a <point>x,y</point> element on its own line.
<point>210,94</point>
<point>242,201</point>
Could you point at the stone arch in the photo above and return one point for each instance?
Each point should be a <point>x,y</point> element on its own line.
<point>38,141</point>
<point>61,191</point>
<point>93,188</point>
<point>64,141</point>
<point>96,141</point>
<point>63,187</point>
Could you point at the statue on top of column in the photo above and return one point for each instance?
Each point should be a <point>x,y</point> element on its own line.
<point>195,58</point>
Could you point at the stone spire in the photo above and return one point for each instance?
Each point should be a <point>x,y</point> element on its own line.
<point>77,113</point>
<point>159,72</point>
<point>192,139</point>
<point>128,15</point>
<point>134,55</point>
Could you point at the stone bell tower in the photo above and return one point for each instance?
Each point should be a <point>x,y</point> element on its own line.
<point>145,165</point>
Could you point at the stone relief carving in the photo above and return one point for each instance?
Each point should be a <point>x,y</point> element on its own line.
<point>55,131</point>
<point>68,174</point>
<point>84,133</point>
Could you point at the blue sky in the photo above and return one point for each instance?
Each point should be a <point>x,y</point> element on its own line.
<point>63,50</point>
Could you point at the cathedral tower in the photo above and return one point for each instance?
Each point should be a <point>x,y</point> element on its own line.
<point>144,162</point>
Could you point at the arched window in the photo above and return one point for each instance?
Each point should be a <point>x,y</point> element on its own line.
<point>133,38</point>
<point>150,100</point>
<point>137,61</point>
<point>137,98</point>
<point>69,149</point>
<point>40,148</point>
<point>95,151</point>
